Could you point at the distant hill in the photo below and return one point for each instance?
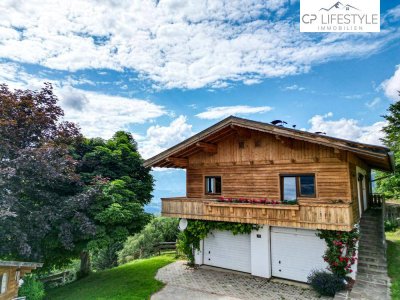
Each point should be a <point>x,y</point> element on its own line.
<point>154,207</point>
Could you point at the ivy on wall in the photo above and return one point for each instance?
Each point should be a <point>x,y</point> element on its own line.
<point>189,239</point>
<point>341,251</point>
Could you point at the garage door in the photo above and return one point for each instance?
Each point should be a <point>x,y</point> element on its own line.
<point>295,253</point>
<point>225,250</point>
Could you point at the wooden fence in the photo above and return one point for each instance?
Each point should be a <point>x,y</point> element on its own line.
<point>392,212</point>
<point>165,246</point>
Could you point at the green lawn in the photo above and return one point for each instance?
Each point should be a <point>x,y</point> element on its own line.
<point>133,280</point>
<point>393,256</point>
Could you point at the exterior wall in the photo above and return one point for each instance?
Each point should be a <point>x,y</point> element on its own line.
<point>261,252</point>
<point>12,286</point>
<point>198,254</point>
<point>255,169</point>
<point>353,163</point>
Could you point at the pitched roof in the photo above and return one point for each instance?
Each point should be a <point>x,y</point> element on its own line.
<point>377,157</point>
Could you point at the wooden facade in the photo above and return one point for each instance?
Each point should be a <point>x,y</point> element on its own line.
<point>251,158</point>
<point>14,271</point>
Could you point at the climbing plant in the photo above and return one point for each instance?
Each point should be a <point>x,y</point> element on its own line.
<point>189,239</point>
<point>341,250</point>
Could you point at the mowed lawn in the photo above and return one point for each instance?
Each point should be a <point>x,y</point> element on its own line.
<point>393,256</point>
<point>133,280</point>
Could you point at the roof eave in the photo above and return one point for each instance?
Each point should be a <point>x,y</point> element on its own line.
<point>20,264</point>
<point>380,151</point>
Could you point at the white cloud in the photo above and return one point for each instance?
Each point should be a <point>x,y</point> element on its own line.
<point>392,14</point>
<point>101,115</point>
<point>354,96</point>
<point>175,43</point>
<point>374,102</point>
<point>294,87</point>
<point>225,111</point>
<point>391,86</point>
<point>348,129</point>
<point>159,138</point>
<point>98,115</point>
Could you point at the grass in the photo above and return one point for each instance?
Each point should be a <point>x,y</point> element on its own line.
<point>133,281</point>
<point>393,257</point>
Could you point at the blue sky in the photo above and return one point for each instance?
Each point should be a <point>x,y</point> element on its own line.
<point>167,69</point>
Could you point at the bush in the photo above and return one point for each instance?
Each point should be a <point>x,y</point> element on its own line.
<point>391,225</point>
<point>32,288</point>
<point>107,257</point>
<point>141,245</point>
<point>326,284</point>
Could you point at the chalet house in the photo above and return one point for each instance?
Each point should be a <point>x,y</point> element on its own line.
<point>10,274</point>
<point>319,182</point>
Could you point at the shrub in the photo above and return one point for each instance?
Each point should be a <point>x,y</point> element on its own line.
<point>391,225</point>
<point>142,244</point>
<point>326,284</point>
<point>341,249</point>
<point>32,288</point>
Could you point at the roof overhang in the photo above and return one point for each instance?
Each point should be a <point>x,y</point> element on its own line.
<point>20,264</point>
<point>377,157</point>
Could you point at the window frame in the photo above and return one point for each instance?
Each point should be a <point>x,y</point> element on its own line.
<point>298,185</point>
<point>215,185</point>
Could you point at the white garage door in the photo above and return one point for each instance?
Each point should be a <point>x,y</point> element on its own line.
<point>295,253</point>
<point>225,250</point>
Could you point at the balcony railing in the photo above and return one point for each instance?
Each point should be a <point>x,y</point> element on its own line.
<point>332,216</point>
<point>376,200</point>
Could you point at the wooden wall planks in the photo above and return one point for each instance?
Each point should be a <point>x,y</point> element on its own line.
<point>12,286</point>
<point>254,170</point>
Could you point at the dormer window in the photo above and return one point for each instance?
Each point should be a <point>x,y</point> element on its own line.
<point>213,185</point>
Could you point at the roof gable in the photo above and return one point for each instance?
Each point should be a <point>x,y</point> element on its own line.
<point>376,156</point>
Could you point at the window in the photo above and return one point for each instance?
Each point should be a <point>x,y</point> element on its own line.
<point>307,186</point>
<point>213,184</point>
<point>294,186</point>
<point>3,283</point>
<point>289,189</point>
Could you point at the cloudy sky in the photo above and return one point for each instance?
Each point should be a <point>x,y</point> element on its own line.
<point>167,69</point>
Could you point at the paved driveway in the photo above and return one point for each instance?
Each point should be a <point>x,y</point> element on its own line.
<point>205,283</point>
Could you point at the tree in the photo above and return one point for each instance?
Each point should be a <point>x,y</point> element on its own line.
<point>118,212</point>
<point>43,202</point>
<point>141,245</point>
<point>390,185</point>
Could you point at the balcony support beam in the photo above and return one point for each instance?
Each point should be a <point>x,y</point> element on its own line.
<point>207,147</point>
<point>179,162</point>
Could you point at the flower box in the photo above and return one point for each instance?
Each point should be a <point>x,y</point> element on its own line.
<point>251,201</point>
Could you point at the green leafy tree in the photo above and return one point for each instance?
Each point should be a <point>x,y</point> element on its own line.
<point>43,202</point>
<point>118,212</point>
<point>390,184</point>
<point>141,245</point>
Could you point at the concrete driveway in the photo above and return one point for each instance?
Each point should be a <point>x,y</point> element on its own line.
<point>185,283</point>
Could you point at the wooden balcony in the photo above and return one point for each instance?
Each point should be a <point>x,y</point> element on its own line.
<point>308,216</point>
<point>376,200</point>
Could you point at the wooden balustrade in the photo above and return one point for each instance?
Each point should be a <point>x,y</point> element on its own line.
<point>310,215</point>
<point>376,200</point>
